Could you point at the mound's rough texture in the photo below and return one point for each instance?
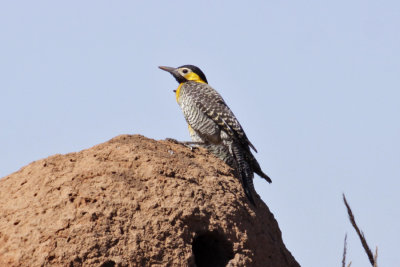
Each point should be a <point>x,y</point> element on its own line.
<point>133,201</point>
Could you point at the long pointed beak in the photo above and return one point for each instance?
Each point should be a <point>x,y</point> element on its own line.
<point>174,72</point>
<point>169,69</point>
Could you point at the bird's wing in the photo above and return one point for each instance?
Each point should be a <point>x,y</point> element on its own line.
<point>211,103</point>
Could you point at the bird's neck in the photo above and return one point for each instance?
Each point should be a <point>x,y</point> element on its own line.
<point>178,90</point>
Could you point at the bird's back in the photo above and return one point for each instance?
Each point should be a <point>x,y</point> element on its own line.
<point>202,105</point>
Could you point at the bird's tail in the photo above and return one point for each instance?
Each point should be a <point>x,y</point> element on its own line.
<point>244,169</point>
<point>255,166</point>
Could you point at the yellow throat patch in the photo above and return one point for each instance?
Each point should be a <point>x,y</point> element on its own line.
<point>178,91</point>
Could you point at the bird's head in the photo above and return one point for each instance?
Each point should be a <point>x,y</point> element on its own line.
<point>186,73</point>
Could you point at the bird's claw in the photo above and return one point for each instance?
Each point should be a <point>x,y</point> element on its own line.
<point>187,144</point>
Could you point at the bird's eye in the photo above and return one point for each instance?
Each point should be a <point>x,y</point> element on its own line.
<point>185,71</point>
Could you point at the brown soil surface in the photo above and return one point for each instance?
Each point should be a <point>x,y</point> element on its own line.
<point>134,201</point>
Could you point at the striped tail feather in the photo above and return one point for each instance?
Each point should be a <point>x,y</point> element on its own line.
<point>255,166</point>
<point>244,170</point>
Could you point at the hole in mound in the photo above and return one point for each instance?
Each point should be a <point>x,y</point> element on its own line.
<point>108,263</point>
<point>211,249</point>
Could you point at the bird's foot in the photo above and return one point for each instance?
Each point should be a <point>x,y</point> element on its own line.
<point>189,144</point>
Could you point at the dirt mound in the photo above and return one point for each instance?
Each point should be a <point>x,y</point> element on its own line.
<point>134,201</point>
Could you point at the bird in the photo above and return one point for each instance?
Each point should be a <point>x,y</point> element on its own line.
<point>213,125</point>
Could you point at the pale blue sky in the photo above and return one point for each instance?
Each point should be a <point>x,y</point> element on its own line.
<point>315,84</point>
